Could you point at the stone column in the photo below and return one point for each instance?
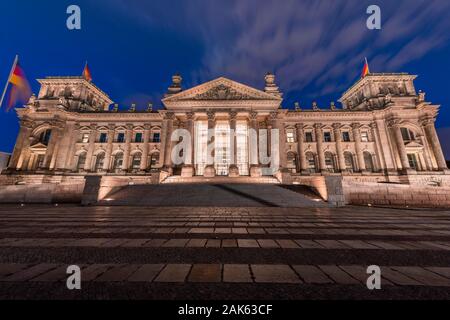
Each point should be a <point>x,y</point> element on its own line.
<point>233,170</point>
<point>145,147</point>
<point>53,145</point>
<point>127,149</point>
<point>109,148</point>
<point>65,150</point>
<point>378,149</point>
<point>359,154</point>
<point>253,141</point>
<point>432,137</point>
<point>426,153</point>
<point>91,148</point>
<point>395,127</point>
<point>210,170</point>
<point>339,150</point>
<point>385,145</point>
<point>21,146</point>
<point>167,146</point>
<point>301,146</point>
<point>279,152</point>
<point>319,143</point>
<point>72,160</point>
<point>188,169</point>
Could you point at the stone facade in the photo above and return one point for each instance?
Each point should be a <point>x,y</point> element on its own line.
<point>384,130</point>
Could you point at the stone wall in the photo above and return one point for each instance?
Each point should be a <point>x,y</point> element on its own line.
<point>428,191</point>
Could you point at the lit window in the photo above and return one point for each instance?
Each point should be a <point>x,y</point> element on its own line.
<point>136,163</point>
<point>138,137</point>
<point>364,136</point>
<point>85,138</point>
<point>327,136</point>
<point>290,137</point>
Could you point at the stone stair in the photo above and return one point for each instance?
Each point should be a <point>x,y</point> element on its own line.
<point>212,195</point>
<point>222,180</point>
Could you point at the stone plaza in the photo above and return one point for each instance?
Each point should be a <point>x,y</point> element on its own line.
<point>201,253</point>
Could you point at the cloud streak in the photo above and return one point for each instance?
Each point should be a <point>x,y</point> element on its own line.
<point>309,44</point>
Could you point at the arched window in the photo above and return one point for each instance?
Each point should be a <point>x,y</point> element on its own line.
<point>329,162</point>
<point>81,161</point>
<point>368,160</point>
<point>311,160</point>
<point>349,162</point>
<point>99,162</point>
<point>118,161</point>
<point>154,160</point>
<point>407,134</point>
<point>292,162</point>
<point>136,162</point>
<point>44,137</point>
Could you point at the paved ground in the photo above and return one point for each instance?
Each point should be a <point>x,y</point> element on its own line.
<point>220,195</point>
<point>223,253</point>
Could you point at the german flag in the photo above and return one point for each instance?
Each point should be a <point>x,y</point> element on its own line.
<point>20,88</point>
<point>366,70</point>
<point>87,73</point>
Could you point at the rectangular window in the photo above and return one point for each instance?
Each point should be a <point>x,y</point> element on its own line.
<point>308,137</point>
<point>121,137</point>
<point>103,138</point>
<point>290,137</point>
<point>364,136</point>
<point>412,159</point>
<point>407,134</point>
<point>85,138</point>
<point>156,137</point>
<point>327,136</point>
<point>346,136</point>
<point>138,137</point>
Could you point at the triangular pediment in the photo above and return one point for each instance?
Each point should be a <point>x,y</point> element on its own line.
<point>413,144</point>
<point>38,146</point>
<point>221,89</point>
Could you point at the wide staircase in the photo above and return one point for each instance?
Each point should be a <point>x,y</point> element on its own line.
<point>222,180</point>
<point>214,195</point>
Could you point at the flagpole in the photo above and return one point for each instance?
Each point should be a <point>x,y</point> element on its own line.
<point>9,78</point>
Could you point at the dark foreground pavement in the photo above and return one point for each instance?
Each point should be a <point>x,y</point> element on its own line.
<point>223,253</point>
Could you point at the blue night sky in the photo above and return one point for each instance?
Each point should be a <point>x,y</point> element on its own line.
<point>315,48</point>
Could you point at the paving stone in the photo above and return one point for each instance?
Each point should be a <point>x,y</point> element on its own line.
<point>134,243</point>
<point>309,244</point>
<point>118,273</point>
<point>274,274</point>
<point>247,243</point>
<point>7,269</point>
<point>338,275</point>
<point>268,243</point>
<point>91,272</point>
<point>239,230</point>
<point>222,230</point>
<point>206,273</point>
<point>237,273</point>
<point>358,244</point>
<point>213,243</point>
<point>398,278</point>
<point>146,273</point>
<point>287,244</point>
<point>175,243</point>
<point>229,243</point>
<point>387,245</point>
<point>424,276</point>
<point>332,244</point>
<point>31,272</point>
<point>201,230</point>
<point>443,271</point>
<point>196,243</point>
<point>155,243</point>
<point>173,273</point>
<point>311,274</point>
<point>54,275</point>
